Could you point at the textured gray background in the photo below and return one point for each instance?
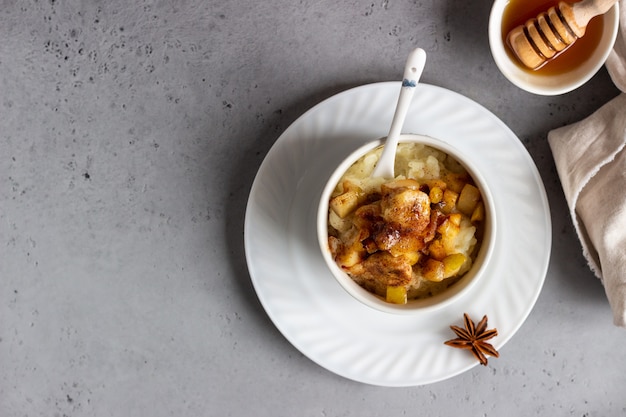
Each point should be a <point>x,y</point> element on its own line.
<point>130,135</point>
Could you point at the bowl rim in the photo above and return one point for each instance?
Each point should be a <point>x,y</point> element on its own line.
<point>542,84</point>
<point>450,295</point>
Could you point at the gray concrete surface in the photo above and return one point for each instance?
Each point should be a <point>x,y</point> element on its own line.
<point>130,134</point>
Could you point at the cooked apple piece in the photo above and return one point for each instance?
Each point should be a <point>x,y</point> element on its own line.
<point>455,219</point>
<point>348,258</point>
<point>449,230</point>
<point>468,199</point>
<point>396,295</point>
<point>412,257</point>
<point>345,203</point>
<point>449,201</point>
<point>351,255</point>
<point>432,183</point>
<point>437,250</point>
<point>433,270</point>
<point>435,195</point>
<point>478,215</point>
<point>337,223</point>
<point>455,181</point>
<point>452,264</point>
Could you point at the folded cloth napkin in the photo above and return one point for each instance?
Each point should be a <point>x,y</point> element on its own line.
<point>590,157</point>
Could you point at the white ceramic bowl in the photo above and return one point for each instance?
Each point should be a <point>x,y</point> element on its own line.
<point>413,306</point>
<point>549,85</point>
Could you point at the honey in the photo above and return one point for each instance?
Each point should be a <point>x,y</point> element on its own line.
<point>517,12</point>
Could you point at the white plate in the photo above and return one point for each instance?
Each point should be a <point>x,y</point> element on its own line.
<point>301,296</point>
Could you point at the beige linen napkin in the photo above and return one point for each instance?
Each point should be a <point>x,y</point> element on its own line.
<point>591,162</point>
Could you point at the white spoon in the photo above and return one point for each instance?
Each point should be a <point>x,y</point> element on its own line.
<point>412,73</point>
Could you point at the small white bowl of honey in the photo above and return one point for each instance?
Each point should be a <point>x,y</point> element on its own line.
<point>568,69</point>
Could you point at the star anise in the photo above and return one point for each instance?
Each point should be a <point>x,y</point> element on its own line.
<point>474,338</point>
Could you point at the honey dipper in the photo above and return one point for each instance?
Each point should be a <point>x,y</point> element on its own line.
<point>543,38</point>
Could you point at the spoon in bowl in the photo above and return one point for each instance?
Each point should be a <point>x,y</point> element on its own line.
<point>412,73</point>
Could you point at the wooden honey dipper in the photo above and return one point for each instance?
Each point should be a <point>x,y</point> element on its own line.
<point>543,38</point>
